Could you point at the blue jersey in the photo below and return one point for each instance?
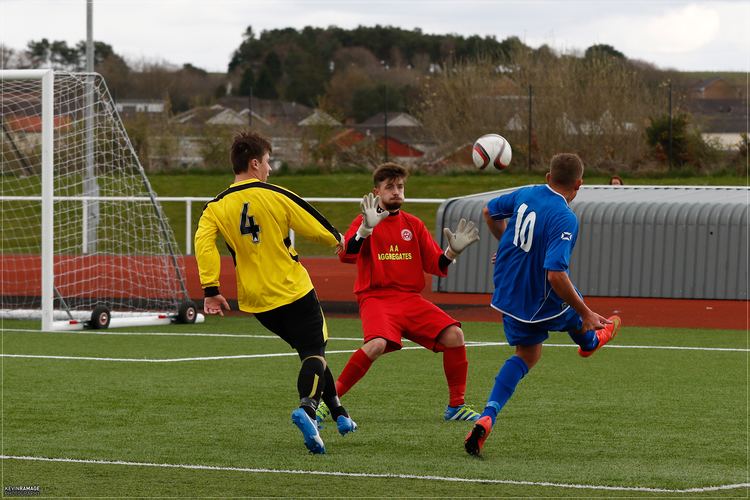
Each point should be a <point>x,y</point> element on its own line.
<point>539,237</point>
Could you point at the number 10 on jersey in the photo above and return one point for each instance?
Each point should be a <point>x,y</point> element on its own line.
<point>524,235</point>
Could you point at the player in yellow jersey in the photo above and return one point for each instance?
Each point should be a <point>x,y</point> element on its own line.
<point>254,218</point>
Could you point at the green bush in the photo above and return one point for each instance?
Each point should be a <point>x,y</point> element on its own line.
<point>215,145</point>
<point>688,147</point>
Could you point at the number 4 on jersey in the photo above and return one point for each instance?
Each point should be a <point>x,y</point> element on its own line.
<point>248,225</point>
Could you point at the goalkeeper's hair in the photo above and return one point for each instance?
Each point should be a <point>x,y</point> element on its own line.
<point>248,146</point>
<point>388,171</point>
<point>565,169</point>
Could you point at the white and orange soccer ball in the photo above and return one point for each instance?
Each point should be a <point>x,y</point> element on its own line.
<point>491,149</point>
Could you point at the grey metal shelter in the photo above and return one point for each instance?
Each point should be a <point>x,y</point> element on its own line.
<point>633,241</point>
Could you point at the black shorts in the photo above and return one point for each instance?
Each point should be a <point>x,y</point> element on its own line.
<point>301,324</point>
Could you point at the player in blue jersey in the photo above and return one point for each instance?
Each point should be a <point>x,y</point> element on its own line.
<point>532,287</point>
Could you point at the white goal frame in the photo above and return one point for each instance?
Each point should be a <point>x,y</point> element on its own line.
<point>50,319</point>
<point>47,76</point>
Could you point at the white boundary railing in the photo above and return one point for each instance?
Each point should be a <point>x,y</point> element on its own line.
<point>188,201</point>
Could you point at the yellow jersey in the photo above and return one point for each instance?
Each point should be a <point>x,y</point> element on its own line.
<point>254,218</point>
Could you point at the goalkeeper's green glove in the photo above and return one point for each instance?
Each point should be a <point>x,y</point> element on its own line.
<point>466,234</point>
<point>370,215</point>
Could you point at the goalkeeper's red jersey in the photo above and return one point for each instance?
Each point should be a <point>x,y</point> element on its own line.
<point>395,256</point>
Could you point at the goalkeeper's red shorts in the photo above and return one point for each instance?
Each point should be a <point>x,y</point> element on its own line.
<point>393,315</point>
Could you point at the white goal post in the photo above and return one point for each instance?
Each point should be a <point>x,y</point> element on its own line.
<point>84,242</point>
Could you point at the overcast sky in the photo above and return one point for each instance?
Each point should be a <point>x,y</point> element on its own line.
<point>685,35</point>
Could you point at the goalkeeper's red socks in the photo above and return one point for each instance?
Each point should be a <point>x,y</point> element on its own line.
<point>355,369</point>
<point>456,368</point>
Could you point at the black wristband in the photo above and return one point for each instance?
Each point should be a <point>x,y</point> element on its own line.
<point>354,244</point>
<point>444,262</point>
<point>211,291</point>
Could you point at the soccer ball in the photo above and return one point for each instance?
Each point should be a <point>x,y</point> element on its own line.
<point>491,148</point>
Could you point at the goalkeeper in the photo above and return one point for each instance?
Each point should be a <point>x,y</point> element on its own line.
<point>393,249</point>
<point>254,218</point>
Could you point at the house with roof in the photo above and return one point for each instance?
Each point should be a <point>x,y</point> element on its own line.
<point>402,134</point>
<point>721,121</point>
<point>281,113</point>
<point>130,107</point>
<point>292,129</point>
<point>714,88</point>
<point>720,111</point>
<point>319,118</point>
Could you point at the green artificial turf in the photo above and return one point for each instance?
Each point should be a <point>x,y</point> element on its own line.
<point>627,417</point>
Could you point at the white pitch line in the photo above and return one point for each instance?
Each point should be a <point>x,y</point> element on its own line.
<point>228,335</point>
<point>469,343</point>
<point>344,351</point>
<point>172,334</point>
<point>702,489</point>
<point>658,347</point>
<point>177,360</point>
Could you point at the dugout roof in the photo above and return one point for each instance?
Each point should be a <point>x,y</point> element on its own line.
<point>633,241</point>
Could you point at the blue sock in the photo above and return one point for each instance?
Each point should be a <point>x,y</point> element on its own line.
<point>506,381</point>
<point>587,340</point>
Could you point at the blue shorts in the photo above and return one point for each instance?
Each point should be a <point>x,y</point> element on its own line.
<point>520,333</point>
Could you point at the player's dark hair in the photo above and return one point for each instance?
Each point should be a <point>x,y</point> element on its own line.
<point>565,169</point>
<point>615,178</point>
<point>388,171</point>
<point>248,146</point>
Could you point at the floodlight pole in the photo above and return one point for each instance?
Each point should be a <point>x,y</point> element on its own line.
<point>250,108</point>
<point>670,125</point>
<point>528,155</point>
<point>89,36</point>
<point>90,187</point>
<point>385,121</point>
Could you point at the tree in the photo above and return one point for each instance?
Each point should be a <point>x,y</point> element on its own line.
<point>269,76</point>
<point>603,50</point>
<point>10,58</point>
<point>102,52</point>
<point>272,63</point>
<point>688,146</point>
<point>596,108</point>
<point>304,80</point>
<point>339,94</point>
<point>57,54</point>
<point>347,58</point>
<point>372,100</point>
<point>194,70</point>
<point>42,53</point>
<point>265,86</point>
<point>300,62</point>
<point>247,82</point>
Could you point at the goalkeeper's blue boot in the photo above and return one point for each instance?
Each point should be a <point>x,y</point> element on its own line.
<point>309,431</point>
<point>345,425</point>
<point>322,413</point>
<point>462,412</point>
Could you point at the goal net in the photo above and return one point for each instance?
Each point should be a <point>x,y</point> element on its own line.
<point>81,227</point>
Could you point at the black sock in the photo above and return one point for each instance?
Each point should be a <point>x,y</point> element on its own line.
<point>310,383</point>
<point>331,398</point>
